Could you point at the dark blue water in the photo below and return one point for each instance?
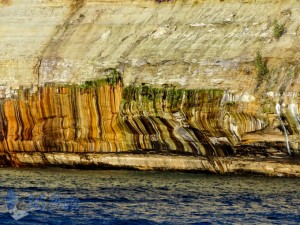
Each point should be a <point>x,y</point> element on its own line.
<point>57,196</point>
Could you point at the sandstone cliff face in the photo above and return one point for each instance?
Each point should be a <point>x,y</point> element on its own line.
<point>186,82</point>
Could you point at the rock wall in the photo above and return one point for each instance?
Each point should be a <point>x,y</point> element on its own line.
<point>192,44</point>
<point>101,117</point>
<point>149,77</point>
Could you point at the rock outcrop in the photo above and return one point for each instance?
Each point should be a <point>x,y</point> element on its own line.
<point>176,85</point>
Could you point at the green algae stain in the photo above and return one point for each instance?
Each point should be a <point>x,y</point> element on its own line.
<point>170,97</point>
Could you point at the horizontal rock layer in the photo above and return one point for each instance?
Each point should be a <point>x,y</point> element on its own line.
<point>222,165</point>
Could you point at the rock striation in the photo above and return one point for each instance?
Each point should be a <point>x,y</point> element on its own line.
<point>99,118</point>
<point>175,85</point>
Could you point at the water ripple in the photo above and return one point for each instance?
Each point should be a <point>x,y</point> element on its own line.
<point>135,197</point>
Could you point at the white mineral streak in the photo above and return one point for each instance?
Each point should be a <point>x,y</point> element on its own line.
<point>293,107</point>
<point>283,127</point>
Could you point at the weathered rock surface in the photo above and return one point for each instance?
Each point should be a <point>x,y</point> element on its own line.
<point>173,85</point>
<point>177,128</point>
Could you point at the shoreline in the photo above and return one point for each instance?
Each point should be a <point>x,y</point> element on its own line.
<point>277,167</point>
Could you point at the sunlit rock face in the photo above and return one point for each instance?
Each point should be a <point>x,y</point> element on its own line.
<point>110,118</point>
<point>67,119</point>
<point>187,84</point>
<point>101,117</point>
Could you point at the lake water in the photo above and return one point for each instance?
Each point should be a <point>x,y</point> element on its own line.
<point>60,196</point>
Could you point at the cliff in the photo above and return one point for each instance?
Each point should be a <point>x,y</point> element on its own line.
<point>180,85</point>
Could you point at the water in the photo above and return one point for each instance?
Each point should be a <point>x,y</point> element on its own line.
<point>135,197</point>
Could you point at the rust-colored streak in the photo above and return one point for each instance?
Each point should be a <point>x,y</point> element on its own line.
<point>5,2</point>
<point>109,118</point>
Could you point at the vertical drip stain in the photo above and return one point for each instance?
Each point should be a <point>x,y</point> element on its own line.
<point>283,127</point>
<point>107,117</point>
